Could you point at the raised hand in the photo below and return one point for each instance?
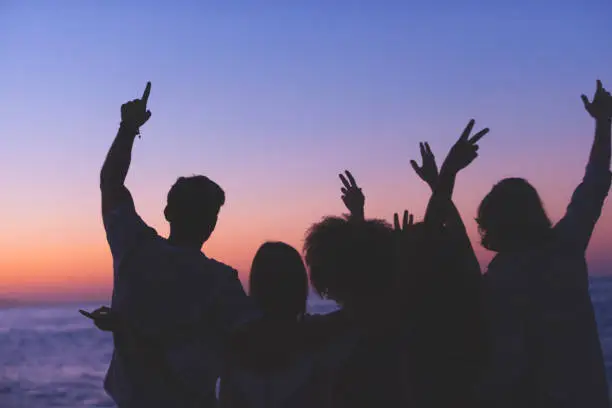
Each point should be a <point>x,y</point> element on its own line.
<point>407,222</point>
<point>601,106</point>
<point>464,151</point>
<point>353,198</point>
<point>134,114</point>
<point>428,172</point>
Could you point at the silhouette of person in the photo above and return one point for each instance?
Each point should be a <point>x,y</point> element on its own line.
<point>355,262</point>
<point>277,366</point>
<point>544,349</point>
<point>444,291</point>
<point>351,262</point>
<point>165,286</point>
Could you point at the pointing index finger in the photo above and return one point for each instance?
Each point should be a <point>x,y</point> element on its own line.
<point>146,93</point>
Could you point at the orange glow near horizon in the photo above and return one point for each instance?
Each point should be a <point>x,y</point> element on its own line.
<point>72,266</point>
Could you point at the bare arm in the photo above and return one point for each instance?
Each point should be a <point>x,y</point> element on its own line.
<point>115,169</point>
<point>460,156</point>
<point>124,228</point>
<point>576,227</point>
<point>441,197</point>
<point>601,110</point>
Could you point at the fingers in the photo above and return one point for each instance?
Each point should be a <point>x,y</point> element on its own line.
<point>396,223</point>
<point>467,130</point>
<point>428,149</point>
<point>147,115</point>
<point>416,167</point>
<point>422,149</point>
<point>478,136</point>
<point>599,86</point>
<point>146,93</point>
<point>344,190</point>
<point>405,220</point>
<point>101,310</point>
<point>344,181</point>
<point>411,220</point>
<point>351,178</point>
<point>585,101</point>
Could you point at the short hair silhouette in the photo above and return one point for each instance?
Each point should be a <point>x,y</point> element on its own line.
<point>512,216</point>
<point>194,203</point>
<point>350,260</point>
<point>278,281</point>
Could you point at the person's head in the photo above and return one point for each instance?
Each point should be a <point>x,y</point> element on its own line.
<point>350,261</point>
<point>512,217</point>
<point>278,281</point>
<point>192,208</point>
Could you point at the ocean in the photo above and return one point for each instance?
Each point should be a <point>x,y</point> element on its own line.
<point>54,357</point>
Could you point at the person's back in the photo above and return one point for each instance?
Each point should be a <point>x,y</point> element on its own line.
<point>544,348</point>
<point>281,364</point>
<point>175,306</point>
<point>556,356</point>
<point>352,262</point>
<point>445,321</point>
<point>288,368</point>
<point>166,291</point>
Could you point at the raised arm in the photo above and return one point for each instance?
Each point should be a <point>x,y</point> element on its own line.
<point>124,228</point>
<point>463,152</point>
<point>601,110</point>
<point>576,227</point>
<point>134,114</point>
<point>428,172</point>
<point>352,197</point>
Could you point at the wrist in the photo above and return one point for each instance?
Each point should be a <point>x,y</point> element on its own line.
<point>358,215</point>
<point>127,130</point>
<point>447,171</point>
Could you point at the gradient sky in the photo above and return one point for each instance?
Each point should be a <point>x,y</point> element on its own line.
<point>272,100</point>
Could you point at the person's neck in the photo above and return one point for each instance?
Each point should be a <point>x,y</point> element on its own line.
<point>184,241</point>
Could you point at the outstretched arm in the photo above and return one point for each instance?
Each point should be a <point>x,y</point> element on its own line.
<point>124,228</point>
<point>601,110</point>
<point>428,172</point>
<point>577,225</point>
<point>456,280</point>
<point>460,156</point>
<point>114,171</point>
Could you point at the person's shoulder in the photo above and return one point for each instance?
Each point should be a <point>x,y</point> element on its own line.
<point>212,265</point>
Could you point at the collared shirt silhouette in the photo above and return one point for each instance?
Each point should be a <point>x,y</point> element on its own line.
<point>176,306</point>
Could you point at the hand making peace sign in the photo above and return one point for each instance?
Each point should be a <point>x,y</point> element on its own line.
<point>464,151</point>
